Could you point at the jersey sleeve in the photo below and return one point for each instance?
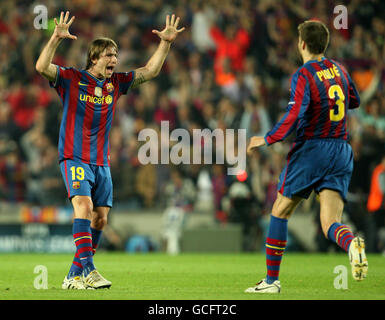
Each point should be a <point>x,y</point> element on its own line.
<point>62,74</point>
<point>354,97</point>
<point>124,80</point>
<point>299,101</point>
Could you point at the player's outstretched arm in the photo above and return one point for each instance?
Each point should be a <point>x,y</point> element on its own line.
<point>44,63</point>
<point>154,65</point>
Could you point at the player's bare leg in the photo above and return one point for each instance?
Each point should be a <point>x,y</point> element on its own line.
<point>83,207</point>
<point>284,207</point>
<point>98,223</point>
<point>99,217</point>
<point>276,240</point>
<point>332,207</point>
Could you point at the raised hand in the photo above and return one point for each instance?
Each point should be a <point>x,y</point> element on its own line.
<point>62,27</point>
<point>170,32</point>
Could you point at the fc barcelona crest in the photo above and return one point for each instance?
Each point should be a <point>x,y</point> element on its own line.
<point>109,87</point>
<point>98,92</point>
<point>76,185</point>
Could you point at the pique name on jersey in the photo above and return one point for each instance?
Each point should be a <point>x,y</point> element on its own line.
<point>96,100</point>
<point>330,73</point>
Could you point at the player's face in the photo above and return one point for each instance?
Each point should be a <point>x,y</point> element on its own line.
<point>105,65</point>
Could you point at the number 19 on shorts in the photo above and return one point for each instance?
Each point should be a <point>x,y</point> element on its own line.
<point>77,173</point>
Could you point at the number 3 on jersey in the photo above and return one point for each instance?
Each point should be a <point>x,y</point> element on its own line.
<point>335,92</point>
<point>77,173</point>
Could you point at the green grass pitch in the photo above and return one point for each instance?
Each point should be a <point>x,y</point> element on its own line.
<point>157,276</point>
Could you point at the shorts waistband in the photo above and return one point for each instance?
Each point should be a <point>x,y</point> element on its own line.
<point>324,139</point>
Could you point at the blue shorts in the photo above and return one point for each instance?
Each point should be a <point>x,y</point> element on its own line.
<point>82,179</point>
<point>316,165</point>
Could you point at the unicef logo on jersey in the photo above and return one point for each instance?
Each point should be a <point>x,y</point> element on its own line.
<point>97,100</point>
<point>108,99</point>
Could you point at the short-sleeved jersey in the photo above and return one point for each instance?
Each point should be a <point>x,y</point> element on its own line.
<point>88,109</point>
<point>320,95</point>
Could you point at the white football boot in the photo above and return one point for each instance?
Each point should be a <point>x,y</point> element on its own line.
<point>358,259</point>
<point>95,280</point>
<point>263,287</point>
<point>74,283</point>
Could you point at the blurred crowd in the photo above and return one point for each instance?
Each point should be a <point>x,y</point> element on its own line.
<point>230,69</point>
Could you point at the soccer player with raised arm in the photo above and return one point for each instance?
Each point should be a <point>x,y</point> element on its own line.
<point>89,98</point>
<point>320,158</point>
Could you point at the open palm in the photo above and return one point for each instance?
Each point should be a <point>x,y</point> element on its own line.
<point>62,27</point>
<point>170,32</point>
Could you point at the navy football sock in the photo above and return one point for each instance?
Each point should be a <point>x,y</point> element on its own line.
<point>83,241</point>
<point>76,267</point>
<point>275,245</point>
<point>340,234</point>
<point>96,236</point>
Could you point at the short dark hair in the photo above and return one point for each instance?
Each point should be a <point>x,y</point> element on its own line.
<point>96,47</point>
<point>315,34</point>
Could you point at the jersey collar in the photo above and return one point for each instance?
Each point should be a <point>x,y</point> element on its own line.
<point>316,60</point>
<point>98,81</point>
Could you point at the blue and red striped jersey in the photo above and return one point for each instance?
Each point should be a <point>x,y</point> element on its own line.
<point>321,93</point>
<point>88,109</point>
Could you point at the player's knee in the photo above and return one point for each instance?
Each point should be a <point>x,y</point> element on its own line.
<point>283,207</point>
<point>100,222</point>
<point>83,207</point>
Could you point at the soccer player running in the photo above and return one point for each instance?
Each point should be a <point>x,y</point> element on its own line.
<point>89,98</point>
<point>320,159</point>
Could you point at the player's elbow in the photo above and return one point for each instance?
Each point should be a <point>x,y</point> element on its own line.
<point>39,68</point>
<point>153,73</point>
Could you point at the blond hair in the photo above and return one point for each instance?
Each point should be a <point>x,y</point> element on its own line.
<point>96,47</point>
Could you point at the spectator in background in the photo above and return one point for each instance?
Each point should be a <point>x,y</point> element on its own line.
<point>123,171</point>
<point>8,128</point>
<point>24,102</point>
<point>232,43</point>
<point>165,111</point>
<point>179,191</point>
<point>219,184</point>
<point>376,200</point>
<point>203,15</point>
<point>179,197</point>
<point>51,186</point>
<point>255,119</point>
<point>34,142</point>
<point>146,185</point>
<point>229,113</point>
<point>12,172</point>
